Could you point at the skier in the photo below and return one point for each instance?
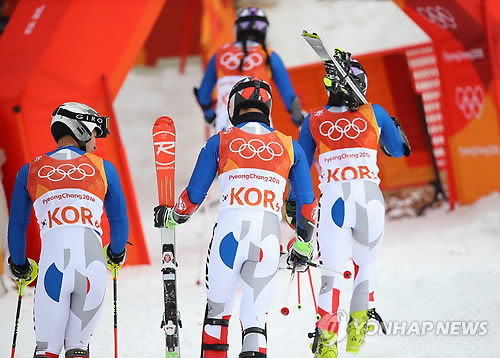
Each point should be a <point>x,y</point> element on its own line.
<point>68,188</point>
<point>247,56</point>
<point>253,162</point>
<point>346,136</point>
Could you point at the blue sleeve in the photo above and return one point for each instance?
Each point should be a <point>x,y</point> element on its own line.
<point>300,179</point>
<point>20,211</point>
<point>208,83</point>
<point>116,210</point>
<point>204,171</point>
<point>389,134</point>
<point>306,141</point>
<point>282,80</point>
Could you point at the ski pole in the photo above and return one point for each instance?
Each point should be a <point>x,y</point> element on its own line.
<point>312,292</point>
<point>18,314</point>
<point>115,313</point>
<point>299,304</point>
<point>285,310</point>
<point>347,274</point>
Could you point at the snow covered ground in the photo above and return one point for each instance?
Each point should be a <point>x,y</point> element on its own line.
<point>443,267</point>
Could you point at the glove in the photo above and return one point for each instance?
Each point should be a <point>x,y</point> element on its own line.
<point>209,115</point>
<point>299,253</point>
<point>23,274</point>
<point>114,261</point>
<point>208,111</point>
<point>163,217</point>
<point>404,138</point>
<point>297,113</point>
<point>291,212</point>
<point>298,118</point>
<point>384,149</point>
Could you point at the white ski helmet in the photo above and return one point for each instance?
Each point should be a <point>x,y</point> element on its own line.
<point>79,121</point>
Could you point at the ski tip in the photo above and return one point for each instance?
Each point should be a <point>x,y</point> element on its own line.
<point>314,35</point>
<point>164,120</point>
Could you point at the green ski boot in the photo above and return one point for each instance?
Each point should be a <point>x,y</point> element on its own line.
<point>324,344</point>
<point>358,326</point>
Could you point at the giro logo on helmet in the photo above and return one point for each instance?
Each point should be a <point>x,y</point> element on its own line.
<point>248,150</point>
<point>231,60</point>
<point>438,15</point>
<point>68,170</point>
<point>343,127</point>
<point>164,144</point>
<point>470,100</point>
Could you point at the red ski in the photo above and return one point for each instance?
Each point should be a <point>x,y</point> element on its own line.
<point>164,147</point>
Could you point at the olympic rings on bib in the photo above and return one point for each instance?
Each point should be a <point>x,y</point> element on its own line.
<point>66,170</point>
<point>257,147</point>
<point>232,60</point>
<point>342,127</point>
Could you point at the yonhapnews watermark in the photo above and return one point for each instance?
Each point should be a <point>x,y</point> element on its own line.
<point>417,328</point>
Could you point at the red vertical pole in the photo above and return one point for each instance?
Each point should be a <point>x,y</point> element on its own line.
<point>489,29</point>
<point>186,35</point>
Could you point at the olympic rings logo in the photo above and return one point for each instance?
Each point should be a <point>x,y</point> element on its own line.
<point>265,152</point>
<point>438,15</point>
<point>342,127</point>
<point>66,170</point>
<point>470,100</point>
<point>231,60</point>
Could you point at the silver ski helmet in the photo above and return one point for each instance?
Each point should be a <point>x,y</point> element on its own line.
<point>79,121</point>
<point>251,21</point>
<point>249,92</point>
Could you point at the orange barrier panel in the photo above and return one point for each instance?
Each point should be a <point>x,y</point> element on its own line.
<point>470,90</point>
<point>59,51</point>
<point>169,36</point>
<point>217,26</point>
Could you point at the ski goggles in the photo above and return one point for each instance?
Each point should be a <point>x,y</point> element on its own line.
<point>258,25</point>
<point>102,123</point>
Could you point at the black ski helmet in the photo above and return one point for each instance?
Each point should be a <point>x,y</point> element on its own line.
<point>251,21</point>
<point>249,92</point>
<point>78,120</point>
<point>339,92</point>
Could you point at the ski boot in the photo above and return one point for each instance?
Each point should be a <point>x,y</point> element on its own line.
<point>77,353</point>
<point>358,326</point>
<point>324,344</point>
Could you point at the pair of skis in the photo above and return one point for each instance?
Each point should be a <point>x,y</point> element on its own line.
<point>164,148</point>
<point>333,64</point>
